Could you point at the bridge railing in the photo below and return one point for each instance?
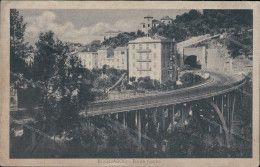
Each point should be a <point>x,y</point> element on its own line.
<point>161,98</point>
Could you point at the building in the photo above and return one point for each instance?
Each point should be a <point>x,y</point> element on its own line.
<point>121,58</point>
<point>150,22</point>
<point>105,56</point>
<point>147,24</point>
<point>89,58</point>
<point>152,56</point>
<point>109,34</point>
<point>166,20</point>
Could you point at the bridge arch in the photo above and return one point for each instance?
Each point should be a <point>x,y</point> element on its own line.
<point>220,116</point>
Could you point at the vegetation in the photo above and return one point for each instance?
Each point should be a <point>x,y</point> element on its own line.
<point>190,78</point>
<point>122,39</point>
<point>64,87</point>
<point>237,24</point>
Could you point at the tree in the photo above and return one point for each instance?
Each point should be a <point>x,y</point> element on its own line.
<point>103,82</point>
<point>132,79</point>
<point>19,50</point>
<point>62,80</point>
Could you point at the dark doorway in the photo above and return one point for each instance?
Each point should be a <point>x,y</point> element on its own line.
<point>192,62</point>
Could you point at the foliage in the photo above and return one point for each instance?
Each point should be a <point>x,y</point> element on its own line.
<point>103,82</point>
<point>122,39</point>
<point>132,79</point>
<point>236,23</point>
<point>190,78</point>
<point>19,50</point>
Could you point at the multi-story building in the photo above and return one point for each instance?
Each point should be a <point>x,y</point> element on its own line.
<point>121,58</point>
<point>152,56</point>
<point>105,56</point>
<point>89,58</point>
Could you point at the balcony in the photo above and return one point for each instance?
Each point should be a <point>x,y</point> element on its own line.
<point>143,60</point>
<point>143,69</point>
<point>145,50</point>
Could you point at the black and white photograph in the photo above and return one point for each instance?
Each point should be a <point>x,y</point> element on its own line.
<point>131,83</point>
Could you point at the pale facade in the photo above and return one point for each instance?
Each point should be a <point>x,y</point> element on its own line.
<point>166,20</point>
<point>105,56</point>
<point>89,59</point>
<point>109,34</point>
<point>147,24</point>
<point>121,58</point>
<point>152,56</point>
<point>116,58</point>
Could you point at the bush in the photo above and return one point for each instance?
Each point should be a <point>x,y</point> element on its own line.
<point>190,78</point>
<point>132,79</point>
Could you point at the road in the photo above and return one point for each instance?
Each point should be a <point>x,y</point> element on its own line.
<point>219,83</point>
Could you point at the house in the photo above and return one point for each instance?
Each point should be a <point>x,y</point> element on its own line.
<point>105,56</point>
<point>152,56</point>
<point>149,22</point>
<point>166,20</point>
<point>109,34</point>
<point>89,58</point>
<point>121,58</point>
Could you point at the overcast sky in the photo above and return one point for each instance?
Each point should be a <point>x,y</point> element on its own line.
<point>85,25</point>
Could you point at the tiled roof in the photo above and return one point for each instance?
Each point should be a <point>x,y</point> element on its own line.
<point>156,22</point>
<point>148,16</point>
<point>166,18</point>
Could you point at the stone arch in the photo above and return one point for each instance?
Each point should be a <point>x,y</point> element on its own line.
<point>192,61</point>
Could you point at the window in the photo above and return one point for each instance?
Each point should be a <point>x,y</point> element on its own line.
<point>147,65</point>
<point>148,25</point>
<point>122,52</point>
<point>140,56</point>
<point>169,21</point>
<point>147,56</point>
<point>143,25</point>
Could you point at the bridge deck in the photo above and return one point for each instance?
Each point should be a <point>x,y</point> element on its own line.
<point>218,83</point>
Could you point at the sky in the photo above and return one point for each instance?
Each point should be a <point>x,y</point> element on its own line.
<point>86,25</point>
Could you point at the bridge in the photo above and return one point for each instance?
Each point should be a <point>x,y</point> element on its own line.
<point>213,100</point>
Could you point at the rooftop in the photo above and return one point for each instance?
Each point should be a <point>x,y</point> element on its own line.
<point>156,22</point>
<point>166,18</point>
<point>155,38</point>
<point>113,32</point>
<point>148,16</point>
<point>89,50</point>
<point>121,48</point>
